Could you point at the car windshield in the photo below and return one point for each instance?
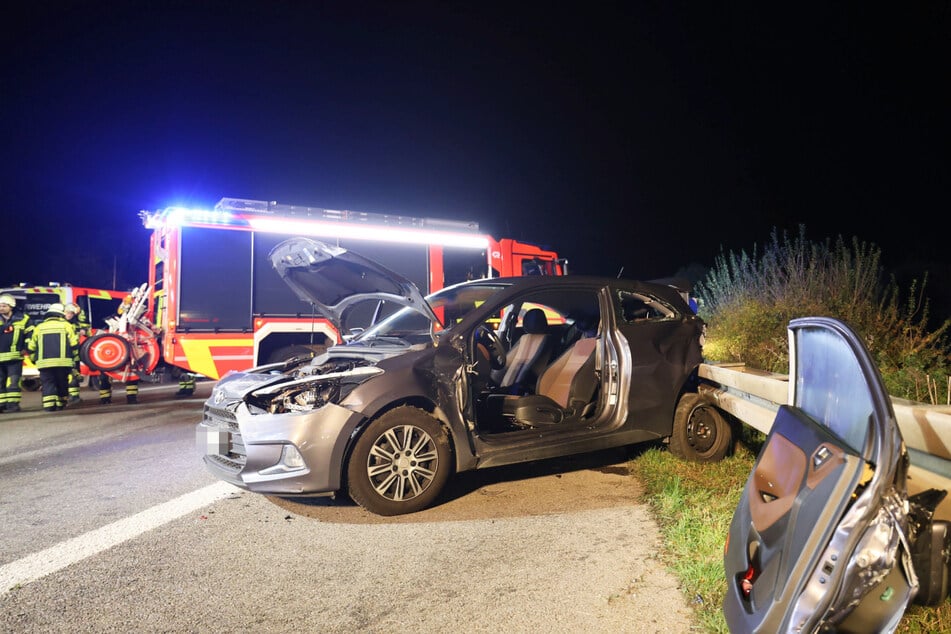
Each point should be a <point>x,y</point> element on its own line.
<point>450,305</point>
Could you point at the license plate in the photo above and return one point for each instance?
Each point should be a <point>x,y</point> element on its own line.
<point>214,442</point>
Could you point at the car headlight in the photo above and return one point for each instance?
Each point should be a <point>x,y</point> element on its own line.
<point>311,392</point>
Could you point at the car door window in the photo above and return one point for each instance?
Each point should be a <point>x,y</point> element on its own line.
<point>637,307</point>
<point>831,388</point>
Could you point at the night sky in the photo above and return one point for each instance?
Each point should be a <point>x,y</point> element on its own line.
<point>643,137</point>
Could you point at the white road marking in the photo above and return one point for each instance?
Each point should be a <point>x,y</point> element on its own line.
<point>54,558</point>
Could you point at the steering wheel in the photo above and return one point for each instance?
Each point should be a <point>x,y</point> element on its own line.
<point>495,345</point>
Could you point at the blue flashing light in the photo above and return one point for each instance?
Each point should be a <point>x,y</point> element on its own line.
<point>179,216</point>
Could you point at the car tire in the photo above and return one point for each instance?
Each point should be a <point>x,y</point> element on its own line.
<point>377,483</point>
<point>700,432</point>
<point>31,385</point>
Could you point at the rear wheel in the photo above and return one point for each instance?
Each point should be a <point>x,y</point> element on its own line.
<point>400,464</point>
<point>700,432</point>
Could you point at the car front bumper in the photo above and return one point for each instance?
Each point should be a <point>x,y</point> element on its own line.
<point>277,454</point>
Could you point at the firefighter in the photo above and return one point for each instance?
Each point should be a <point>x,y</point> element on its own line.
<point>105,390</point>
<point>54,350</point>
<point>186,384</point>
<point>15,331</point>
<point>105,383</point>
<point>77,317</point>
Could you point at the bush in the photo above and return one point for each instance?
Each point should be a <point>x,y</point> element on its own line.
<point>748,300</point>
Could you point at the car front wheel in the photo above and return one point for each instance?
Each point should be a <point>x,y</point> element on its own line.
<point>700,431</point>
<point>400,463</point>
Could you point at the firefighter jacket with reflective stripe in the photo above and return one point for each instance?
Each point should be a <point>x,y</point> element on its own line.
<point>54,344</point>
<point>80,323</point>
<point>14,335</point>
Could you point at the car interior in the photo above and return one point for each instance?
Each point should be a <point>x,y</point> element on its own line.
<point>564,393</point>
<point>551,372</point>
<point>527,359</point>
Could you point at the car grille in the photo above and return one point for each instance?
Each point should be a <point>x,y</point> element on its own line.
<point>233,465</point>
<point>220,418</point>
<point>224,420</point>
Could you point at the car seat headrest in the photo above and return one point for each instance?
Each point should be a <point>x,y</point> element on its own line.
<point>534,322</point>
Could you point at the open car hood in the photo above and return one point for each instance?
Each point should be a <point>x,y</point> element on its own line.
<point>334,279</point>
<point>825,536</point>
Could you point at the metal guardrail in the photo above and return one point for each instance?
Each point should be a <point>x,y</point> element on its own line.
<point>753,397</point>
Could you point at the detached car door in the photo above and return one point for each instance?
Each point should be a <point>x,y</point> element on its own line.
<point>820,539</point>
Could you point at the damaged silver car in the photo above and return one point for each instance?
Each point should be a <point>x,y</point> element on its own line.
<point>477,375</point>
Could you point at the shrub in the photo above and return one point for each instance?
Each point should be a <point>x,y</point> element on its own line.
<point>748,300</point>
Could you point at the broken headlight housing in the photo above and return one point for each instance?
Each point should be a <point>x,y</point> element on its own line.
<point>311,388</point>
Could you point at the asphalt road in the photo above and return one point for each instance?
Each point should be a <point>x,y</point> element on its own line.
<point>111,524</point>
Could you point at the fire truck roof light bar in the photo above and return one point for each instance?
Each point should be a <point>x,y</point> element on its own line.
<point>178,216</point>
<point>243,207</point>
<point>367,232</point>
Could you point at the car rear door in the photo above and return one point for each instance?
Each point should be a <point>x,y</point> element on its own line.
<point>819,537</point>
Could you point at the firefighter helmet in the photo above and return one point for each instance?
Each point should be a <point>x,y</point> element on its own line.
<point>56,309</point>
<point>71,307</point>
<point>9,300</point>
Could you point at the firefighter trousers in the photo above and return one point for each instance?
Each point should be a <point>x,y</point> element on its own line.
<point>55,387</point>
<point>10,395</point>
<point>105,390</point>
<point>74,384</point>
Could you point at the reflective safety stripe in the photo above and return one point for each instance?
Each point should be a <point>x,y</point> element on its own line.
<point>200,357</point>
<point>54,344</point>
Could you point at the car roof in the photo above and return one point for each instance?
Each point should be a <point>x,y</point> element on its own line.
<point>516,285</point>
<point>333,279</point>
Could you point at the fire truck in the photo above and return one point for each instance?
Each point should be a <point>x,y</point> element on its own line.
<point>213,302</point>
<point>98,304</point>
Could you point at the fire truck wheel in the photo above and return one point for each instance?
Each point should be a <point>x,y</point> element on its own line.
<point>30,385</point>
<point>105,352</point>
<point>287,352</point>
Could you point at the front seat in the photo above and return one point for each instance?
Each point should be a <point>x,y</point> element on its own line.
<point>529,356</point>
<point>564,394</point>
